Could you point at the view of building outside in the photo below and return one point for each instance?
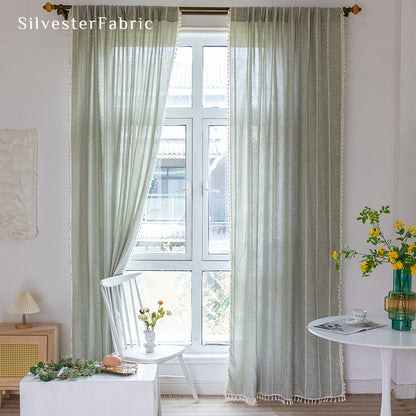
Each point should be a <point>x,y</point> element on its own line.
<point>163,227</point>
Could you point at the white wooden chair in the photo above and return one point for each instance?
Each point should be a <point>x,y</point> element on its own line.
<point>122,302</point>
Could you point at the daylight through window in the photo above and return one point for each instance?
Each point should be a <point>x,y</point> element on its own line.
<point>183,244</point>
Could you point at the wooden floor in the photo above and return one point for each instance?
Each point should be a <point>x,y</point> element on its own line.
<point>355,405</point>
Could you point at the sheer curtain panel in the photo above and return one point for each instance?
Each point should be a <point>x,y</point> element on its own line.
<point>285,148</point>
<point>120,79</point>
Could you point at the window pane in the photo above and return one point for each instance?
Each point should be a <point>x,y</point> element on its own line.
<point>218,235</point>
<point>163,227</point>
<point>216,307</point>
<point>180,87</point>
<point>215,77</point>
<point>174,288</point>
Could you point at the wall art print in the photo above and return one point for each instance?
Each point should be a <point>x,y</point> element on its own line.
<point>18,173</point>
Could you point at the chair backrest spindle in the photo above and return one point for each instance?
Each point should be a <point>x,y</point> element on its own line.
<point>135,311</point>
<point>118,315</point>
<point>138,294</point>
<point>107,296</point>
<point>127,313</point>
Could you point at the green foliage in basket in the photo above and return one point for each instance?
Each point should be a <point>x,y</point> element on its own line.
<point>66,368</point>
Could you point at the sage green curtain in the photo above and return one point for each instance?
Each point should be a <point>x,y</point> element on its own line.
<point>285,150</point>
<point>120,80</point>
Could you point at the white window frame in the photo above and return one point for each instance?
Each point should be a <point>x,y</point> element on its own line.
<point>137,256</point>
<point>196,259</point>
<point>206,190</point>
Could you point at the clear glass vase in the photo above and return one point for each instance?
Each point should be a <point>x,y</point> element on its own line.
<point>401,302</point>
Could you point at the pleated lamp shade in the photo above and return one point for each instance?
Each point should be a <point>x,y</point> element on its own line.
<point>23,304</point>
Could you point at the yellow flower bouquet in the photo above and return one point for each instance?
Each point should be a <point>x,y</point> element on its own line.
<point>400,254</point>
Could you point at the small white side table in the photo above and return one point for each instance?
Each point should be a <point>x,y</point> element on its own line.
<point>385,339</point>
<point>103,394</point>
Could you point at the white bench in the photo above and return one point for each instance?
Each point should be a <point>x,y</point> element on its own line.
<point>102,394</point>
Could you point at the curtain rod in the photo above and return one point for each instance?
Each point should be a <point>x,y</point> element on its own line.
<point>64,10</point>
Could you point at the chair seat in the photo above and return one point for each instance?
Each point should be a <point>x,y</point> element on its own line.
<point>160,354</point>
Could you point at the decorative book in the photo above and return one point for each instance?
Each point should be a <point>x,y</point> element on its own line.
<point>348,326</point>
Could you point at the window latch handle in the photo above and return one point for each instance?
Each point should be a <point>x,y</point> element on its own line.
<point>183,190</point>
<point>211,190</point>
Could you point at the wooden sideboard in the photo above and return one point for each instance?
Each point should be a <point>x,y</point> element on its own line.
<point>21,349</point>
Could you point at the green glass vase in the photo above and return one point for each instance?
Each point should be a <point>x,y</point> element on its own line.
<point>401,302</point>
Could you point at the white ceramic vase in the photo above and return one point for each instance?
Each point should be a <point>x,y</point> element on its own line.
<point>150,340</point>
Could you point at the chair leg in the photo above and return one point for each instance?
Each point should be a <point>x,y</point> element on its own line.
<point>159,411</point>
<point>159,401</point>
<point>188,378</point>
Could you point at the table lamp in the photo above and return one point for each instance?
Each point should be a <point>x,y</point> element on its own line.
<point>23,304</point>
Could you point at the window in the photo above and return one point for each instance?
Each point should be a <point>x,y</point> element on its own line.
<point>164,224</point>
<point>183,244</point>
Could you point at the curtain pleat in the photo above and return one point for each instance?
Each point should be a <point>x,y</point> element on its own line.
<point>120,80</point>
<point>285,149</point>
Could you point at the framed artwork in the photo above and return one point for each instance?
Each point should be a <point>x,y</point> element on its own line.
<point>18,173</point>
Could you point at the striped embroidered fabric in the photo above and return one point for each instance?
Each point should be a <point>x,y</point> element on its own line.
<point>286,74</point>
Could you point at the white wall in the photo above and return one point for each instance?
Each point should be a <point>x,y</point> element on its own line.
<point>34,94</point>
<point>379,148</point>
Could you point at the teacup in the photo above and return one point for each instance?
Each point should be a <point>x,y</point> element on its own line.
<point>359,314</point>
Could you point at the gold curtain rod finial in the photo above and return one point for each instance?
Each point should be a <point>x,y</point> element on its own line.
<point>354,10</point>
<point>48,7</point>
<point>60,9</point>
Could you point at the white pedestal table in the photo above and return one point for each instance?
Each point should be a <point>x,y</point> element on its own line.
<point>385,339</point>
<point>102,394</point>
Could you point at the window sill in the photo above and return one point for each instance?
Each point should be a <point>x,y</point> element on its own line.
<point>194,358</point>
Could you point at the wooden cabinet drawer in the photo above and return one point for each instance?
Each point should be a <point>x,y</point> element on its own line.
<point>19,353</point>
<point>21,349</point>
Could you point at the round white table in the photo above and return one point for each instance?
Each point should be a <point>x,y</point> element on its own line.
<point>384,339</point>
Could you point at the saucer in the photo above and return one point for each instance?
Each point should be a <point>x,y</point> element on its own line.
<point>355,321</point>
